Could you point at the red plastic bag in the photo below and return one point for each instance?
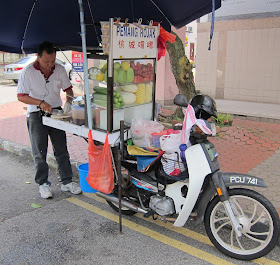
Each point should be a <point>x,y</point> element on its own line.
<point>163,37</point>
<point>100,170</point>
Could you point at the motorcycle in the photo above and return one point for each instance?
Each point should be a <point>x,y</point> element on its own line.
<point>240,222</point>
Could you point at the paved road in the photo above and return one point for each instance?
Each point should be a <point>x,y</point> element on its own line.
<point>83,229</point>
<point>8,92</point>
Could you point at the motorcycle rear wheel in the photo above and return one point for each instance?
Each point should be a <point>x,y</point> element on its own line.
<point>259,221</point>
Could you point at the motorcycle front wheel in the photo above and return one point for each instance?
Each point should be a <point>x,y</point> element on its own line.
<point>256,215</point>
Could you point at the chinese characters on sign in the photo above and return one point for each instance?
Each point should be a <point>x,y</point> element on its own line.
<point>78,67</point>
<point>134,42</point>
<point>78,61</point>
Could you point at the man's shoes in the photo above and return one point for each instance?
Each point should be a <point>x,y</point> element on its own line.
<point>45,191</point>
<point>72,187</point>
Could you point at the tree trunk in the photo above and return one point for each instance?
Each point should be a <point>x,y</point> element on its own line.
<point>182,70</point>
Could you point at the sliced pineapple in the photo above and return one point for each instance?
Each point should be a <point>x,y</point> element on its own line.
<point>140,94</point>
<point>149,93</point>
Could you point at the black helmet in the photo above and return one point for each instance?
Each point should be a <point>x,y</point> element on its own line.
<point>204,106</point>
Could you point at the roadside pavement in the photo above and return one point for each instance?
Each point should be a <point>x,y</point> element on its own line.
<point>251,145</point>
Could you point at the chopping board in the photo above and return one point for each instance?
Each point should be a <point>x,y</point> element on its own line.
<point>61,117</point>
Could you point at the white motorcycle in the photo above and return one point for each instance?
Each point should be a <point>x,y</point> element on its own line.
<point>240,222</point>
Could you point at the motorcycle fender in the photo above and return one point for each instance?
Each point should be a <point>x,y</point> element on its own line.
<point>238,179</point>
<point>206,197</point>
<point>198,168</point>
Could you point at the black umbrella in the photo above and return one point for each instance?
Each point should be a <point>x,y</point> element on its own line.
<point>31,22</point>
<point>75,24</point>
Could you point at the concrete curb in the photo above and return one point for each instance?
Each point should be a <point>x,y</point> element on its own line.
<point>26,152</point>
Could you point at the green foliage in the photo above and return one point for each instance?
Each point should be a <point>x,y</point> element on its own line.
<point>223,119</point>
<point>177,118</point>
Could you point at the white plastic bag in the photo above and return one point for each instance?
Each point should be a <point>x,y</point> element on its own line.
<point>189,121</point>
<point>141,131</point>
<point>170,143</point>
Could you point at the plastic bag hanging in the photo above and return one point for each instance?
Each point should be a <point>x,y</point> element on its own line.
<point>189,121</point>
<point>100,174</point>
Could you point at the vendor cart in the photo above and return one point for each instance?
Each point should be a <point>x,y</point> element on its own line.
<point>123,80</point>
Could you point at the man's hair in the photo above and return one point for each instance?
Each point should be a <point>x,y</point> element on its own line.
<point>46,46</point>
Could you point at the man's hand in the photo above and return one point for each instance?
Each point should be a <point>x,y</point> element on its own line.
<point>67,107</point>
<point>45,107</point>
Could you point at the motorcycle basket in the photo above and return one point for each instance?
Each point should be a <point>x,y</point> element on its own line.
<point>173,168</point>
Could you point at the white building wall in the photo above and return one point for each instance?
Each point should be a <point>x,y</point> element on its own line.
<point>192,38</point>
<point>244,61</point>
<point>206,65</point>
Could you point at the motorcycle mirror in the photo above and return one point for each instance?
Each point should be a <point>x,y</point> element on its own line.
<point>180,100</point>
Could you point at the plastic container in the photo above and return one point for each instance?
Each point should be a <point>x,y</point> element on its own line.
<point>156,136</point>
<point>105,38</point>
<point>156,142</point>
<point>104,25</point>
<point>83,172</point>
<point>105,32</point>
<point>78,114</point>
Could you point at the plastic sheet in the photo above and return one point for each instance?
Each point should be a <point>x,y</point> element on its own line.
<point>100,175</point>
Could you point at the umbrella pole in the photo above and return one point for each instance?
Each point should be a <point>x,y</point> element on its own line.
<point>84,46</point>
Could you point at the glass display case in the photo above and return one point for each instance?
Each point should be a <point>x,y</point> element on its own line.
<point>132,94</point>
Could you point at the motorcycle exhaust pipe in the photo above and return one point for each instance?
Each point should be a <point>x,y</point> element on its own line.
<point>115,199</point>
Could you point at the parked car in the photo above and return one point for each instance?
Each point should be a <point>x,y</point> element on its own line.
<point>13,71</point>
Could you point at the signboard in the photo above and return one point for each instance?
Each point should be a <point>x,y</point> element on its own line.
<point>247,7</point>
<point>132,41</point>
<point>78,61</point>
<point>78,65</point>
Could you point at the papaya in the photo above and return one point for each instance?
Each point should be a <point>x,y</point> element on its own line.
<point>121,76</point>
<point>116,75</point>
<point>125,65</point>
<point>117,65</point>
<point>129,75</point>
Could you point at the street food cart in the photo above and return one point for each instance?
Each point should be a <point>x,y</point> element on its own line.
<point>123,78</point>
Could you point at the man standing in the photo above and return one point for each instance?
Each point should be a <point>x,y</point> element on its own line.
<point>39,86</point>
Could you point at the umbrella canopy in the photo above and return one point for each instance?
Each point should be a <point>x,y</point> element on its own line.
<point>58,21</point>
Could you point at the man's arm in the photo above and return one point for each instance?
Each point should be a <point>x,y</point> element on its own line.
<point>69,95</point>
<point>69,99</point>
<point>34,101</point>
